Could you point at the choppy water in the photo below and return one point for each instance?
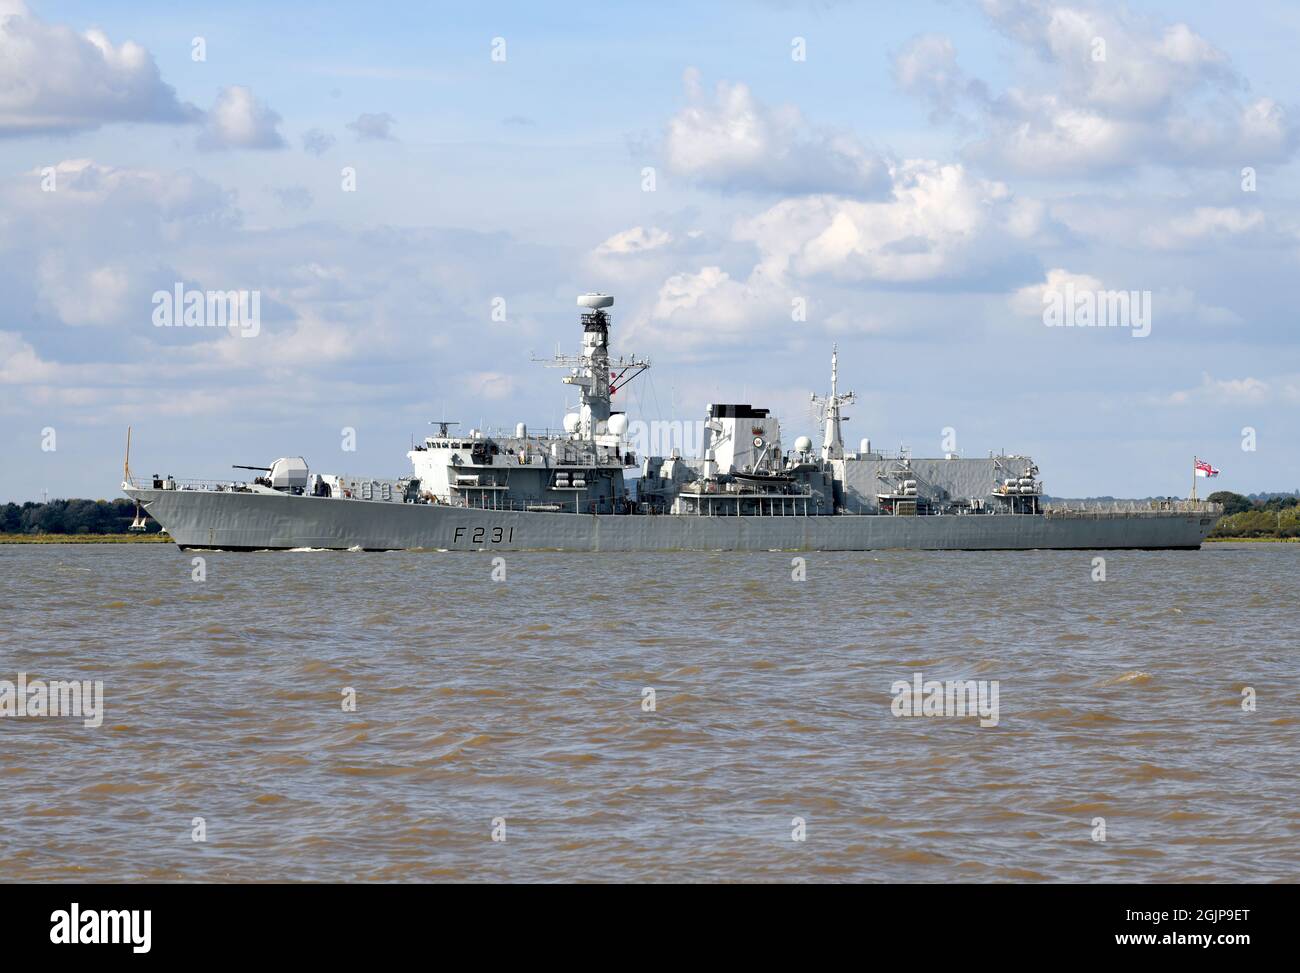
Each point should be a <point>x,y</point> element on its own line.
<point>522,700</point>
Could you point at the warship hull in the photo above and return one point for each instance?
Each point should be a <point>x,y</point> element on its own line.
<point>570,489</point>
<point>224,520</point>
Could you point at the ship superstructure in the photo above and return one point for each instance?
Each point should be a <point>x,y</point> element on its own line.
<point>577,469</point>
<point>584,487</point>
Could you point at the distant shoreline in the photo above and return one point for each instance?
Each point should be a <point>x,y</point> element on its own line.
<point>151,538</point>
<point>1252,540</point>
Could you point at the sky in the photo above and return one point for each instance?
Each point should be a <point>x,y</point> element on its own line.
<point>417,192</point>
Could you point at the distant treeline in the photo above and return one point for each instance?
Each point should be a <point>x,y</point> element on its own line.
<point>70,517</point>
<point>1277,516</point>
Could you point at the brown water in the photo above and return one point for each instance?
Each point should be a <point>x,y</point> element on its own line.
<point>522,700</point>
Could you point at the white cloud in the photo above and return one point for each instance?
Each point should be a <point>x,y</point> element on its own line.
<point>132,208</point>
<point>51,382</point>
<point>358,315</point>
<point>91,252</point>
<point>638,239</point>
<point>1143,222</point>
<point>1224,391</point>
<point>54,80</point>
<point>95,295</point>
<point>239,120</point>
<point>1159,95</point>
<point>1029,301</point>
<point>707,310</point>
<point>926,67</point>
<point>636,260</point>
<point>1169,305</point>
<point>19,363</point>
<point>734,142</point>
<point>1204,224</point>
<point>939,224</point>
<point>709,296</point>
<point>311,340</point>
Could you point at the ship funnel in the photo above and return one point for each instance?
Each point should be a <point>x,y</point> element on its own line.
<point>596,301</point>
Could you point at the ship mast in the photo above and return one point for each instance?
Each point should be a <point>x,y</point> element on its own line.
<point>596,375</point>
<point>833,439</point>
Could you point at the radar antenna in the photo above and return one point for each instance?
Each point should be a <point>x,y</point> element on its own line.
<point>829,411</point>
<point>595,374</point>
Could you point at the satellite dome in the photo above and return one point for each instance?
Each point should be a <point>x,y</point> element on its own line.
<point>595,300</point>
<point>802,444</point>
<point>617,424</point>
<point>571,421</point>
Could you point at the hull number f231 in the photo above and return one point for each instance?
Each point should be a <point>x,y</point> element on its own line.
<point>485,535</point>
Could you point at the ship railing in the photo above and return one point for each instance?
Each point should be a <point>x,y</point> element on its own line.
<point>1111,508</point>
<point>193,485</point>
<point>880,454</point>
<point>507,432</point>
<point>602,505</point>
<point>1076,508</point>
<point>173,483</point>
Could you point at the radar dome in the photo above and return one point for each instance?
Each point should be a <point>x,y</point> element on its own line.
<point>617,424</point>
<point>802,444</point>
<point>595,300</point>
<point>571,421</point>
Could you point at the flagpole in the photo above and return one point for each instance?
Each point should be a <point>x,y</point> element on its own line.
<point>1193,479</point>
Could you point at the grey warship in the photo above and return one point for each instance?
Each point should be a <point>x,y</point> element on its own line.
<point>584,488</point>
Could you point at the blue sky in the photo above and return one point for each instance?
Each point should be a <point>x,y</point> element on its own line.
<point>920,180</point>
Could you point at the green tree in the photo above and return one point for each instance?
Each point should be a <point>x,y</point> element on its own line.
<point>1233,503</point>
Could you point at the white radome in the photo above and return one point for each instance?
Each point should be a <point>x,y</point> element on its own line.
<point>617,424</point>
<point>802,444</point>
<point>571,422</point>
<point>595,300</point>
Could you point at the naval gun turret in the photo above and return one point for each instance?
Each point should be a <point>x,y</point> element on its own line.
<point>288,474</point>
